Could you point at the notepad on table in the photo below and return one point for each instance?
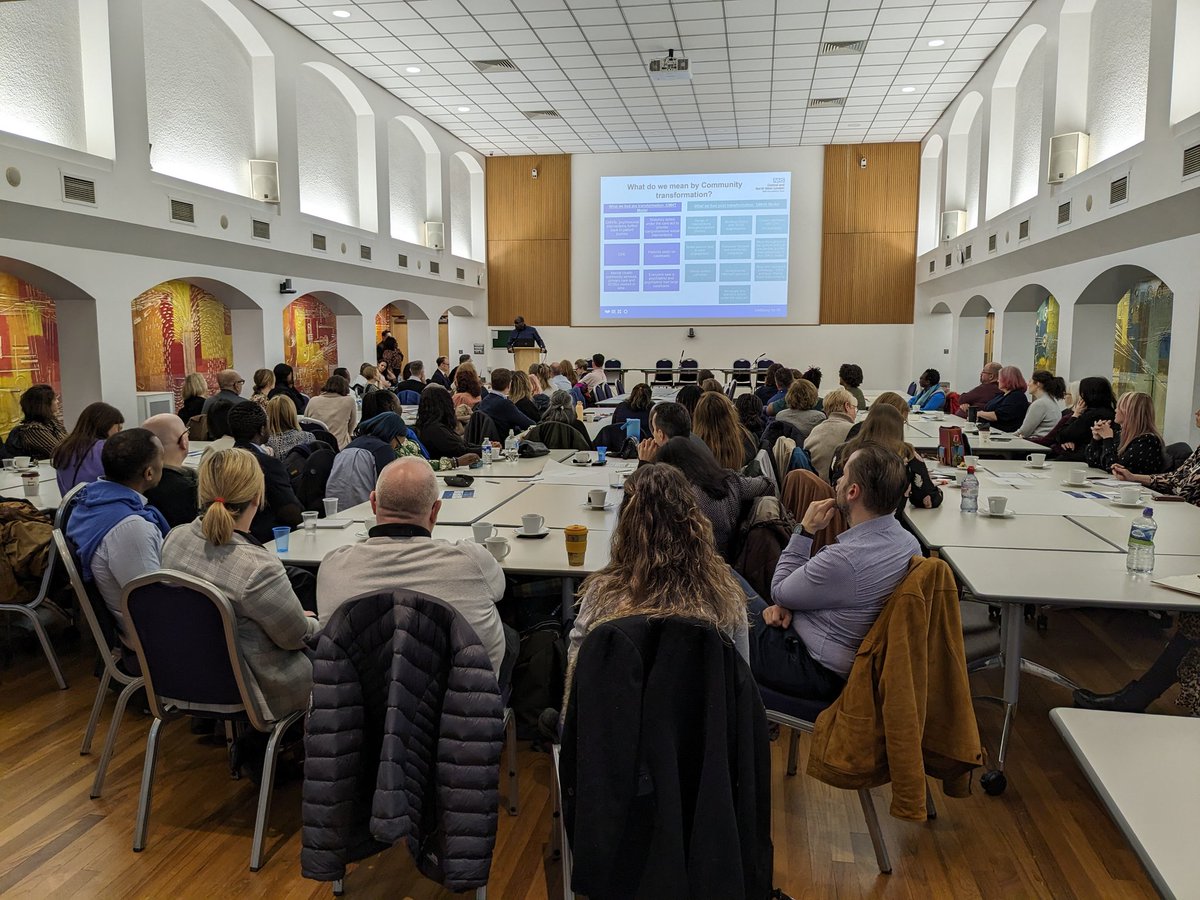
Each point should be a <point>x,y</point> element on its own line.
<point>1188,584</point>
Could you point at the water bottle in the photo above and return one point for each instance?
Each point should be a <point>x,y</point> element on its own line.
<point>486,453</point>
<point>1140,559</point>
<point>510,446</point>
<point>970,492</point>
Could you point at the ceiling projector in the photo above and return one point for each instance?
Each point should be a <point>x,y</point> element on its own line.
<point>671,69</point>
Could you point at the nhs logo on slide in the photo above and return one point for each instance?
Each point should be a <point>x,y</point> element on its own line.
<point>694,246</point>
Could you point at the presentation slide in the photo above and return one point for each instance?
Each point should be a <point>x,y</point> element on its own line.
<point>694,246</point>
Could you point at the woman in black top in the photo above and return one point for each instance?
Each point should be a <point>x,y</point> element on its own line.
<point>1096,403</point>
<point>438,428</point>
<point>1006,411</point>
<point>285,384</point>
<point>195,390</point>
<point>636,406</point>
<point>885,426</point>
<point>520,392</point>
<point>750,412</point>
<point>1132,441</point>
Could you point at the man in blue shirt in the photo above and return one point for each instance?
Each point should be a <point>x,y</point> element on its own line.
<point>523,332</point>
<point>502,410</point>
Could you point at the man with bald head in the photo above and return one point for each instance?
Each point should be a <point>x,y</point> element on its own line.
<point>980,396</point>
<point>401,552</point>
<point>230,384</point>
<point>175,494</point>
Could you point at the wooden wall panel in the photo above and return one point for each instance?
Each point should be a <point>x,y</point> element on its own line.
<point>529,239</point>
<point>869,250</point>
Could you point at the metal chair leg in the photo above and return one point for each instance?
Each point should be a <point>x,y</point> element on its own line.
<point>44,640</point>
<point>266,788</point>
<point>930,807</point>
<point>793,751</point>
<point>86,747</point>
<point>869,813</point>
<point>560,827</point>
<point>510,738</point>
<point>481,893</point>
<point>144,796</point>
<point>339,887</point>
<point>110,741</point>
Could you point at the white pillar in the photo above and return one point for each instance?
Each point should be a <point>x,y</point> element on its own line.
<point>355,342</point>
<point>249,344</point>
<point>97,355</point>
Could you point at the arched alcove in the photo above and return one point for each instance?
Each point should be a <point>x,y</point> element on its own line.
<point>210,93</point>
<point>310,340</point>
<point>963,151</point>
<point>179,328</point>
<point>415,179</point>
<point>29,351</point>
<point>335,142</point>
<point>1030,330</point>
<point>931,192</point>
<point>455,333</point>
<point>466,206</point>
<point>1015,133</point>
<point>974,342</point>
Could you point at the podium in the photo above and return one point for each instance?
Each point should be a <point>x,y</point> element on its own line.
<point>524,357</point>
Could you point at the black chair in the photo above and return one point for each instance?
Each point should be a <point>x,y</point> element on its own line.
<point>614,375</point>
<point>761,367</point>
<point>690,371</point>
<point>29,608</point>
<point>662,375</point>
<point>185,634</point>
<point>1177,454</point>
<point>741,377</point>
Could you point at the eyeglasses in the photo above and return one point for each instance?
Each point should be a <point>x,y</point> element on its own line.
<point>240,381</point>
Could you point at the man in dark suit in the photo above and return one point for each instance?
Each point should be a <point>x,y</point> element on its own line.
<point>441,374</point>
<point>502,410</point>
<point>527,334</point>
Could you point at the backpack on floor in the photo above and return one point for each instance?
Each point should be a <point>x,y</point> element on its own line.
<point>539,677</point>
<point>308,467</point>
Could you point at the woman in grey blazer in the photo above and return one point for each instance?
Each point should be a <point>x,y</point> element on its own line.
<point>272,627</point>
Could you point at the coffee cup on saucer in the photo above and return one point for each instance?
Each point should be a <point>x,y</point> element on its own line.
<point>531,523</point>
<point>597,498</point>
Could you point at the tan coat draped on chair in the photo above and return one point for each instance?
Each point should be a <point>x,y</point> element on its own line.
<point>801,488</point>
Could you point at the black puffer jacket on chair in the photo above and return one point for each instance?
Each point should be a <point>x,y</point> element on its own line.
<point>402,741</point>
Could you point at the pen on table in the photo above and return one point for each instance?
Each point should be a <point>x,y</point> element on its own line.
<point>490,481</point>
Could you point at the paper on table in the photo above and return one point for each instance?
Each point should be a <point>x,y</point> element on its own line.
<point>1188,584</point>
<point>332,523</point>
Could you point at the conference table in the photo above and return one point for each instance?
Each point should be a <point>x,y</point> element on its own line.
<point>1144,770</point>
<point>48,495</point>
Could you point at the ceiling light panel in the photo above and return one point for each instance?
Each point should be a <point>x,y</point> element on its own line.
<point>756,66</point>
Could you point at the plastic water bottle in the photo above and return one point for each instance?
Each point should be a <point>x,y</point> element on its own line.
<point>486,454</point>
<point>510,446</point>
<point>970,492</point>
<point>1140,559</point>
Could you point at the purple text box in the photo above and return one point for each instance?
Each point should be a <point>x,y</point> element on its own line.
<point>621,254</point>
<point>662,227</point>
<point>661,255</point>
<point>622,228</point>
<point>660,280</point>
<point>642,207</point>
<point>621,280</point>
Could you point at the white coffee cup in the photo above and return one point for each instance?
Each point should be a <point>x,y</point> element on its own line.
<point>532,523</point>
<point>498,547</point>
<point>9,463</point>
<point>1131,494</point>
<point>971,461</point>
<point>1077,476</point>
<point>22,462</point>
<point>597,497</point>
<point>330,507</point>
<point>481,531</point>
<point>583,456</point>
<point>1036,460</point>
<point>29,481</point>
<point>997,505</point>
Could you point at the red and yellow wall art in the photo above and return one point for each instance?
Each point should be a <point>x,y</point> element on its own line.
<point>310,342</point>
<point>179,329</point>
<point>28,345</point>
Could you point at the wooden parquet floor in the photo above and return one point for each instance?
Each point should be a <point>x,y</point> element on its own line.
<point>1047,836</point>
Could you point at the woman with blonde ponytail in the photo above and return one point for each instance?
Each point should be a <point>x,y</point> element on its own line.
<point>272,626</point>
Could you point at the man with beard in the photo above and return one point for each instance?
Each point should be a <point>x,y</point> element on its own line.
<point>824,605</point>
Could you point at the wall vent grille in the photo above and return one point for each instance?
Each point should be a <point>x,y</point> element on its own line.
<point>1023,230</point>
<point>435,268</point>
<point>488,66</point>
<point>402,260</point>
<point>991,243</point>
<point>1064,213</point>
<point>1118,191</point>
<point>364,252</point>
<point>460,274</point>
<point>826,102</point>
<point>932,266</point>
<point>182,211</point>
<point>535,114</point>
<point>261,230</point>
<point>78,190</point>
<point>1191,161</point>
<point>318,242</point>
<point>842,48</point>
<point>949,259</point>
<point>967,253</point>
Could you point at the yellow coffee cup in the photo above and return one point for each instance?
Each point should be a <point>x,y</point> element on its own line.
<point>576,536</point>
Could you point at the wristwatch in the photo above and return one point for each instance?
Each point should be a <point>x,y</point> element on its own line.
<point>799,529</point>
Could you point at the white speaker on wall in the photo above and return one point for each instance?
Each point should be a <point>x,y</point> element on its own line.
<point>954,223</point>
<point>1068,156</point>
<point>435,235</point>
<point>264,180</point>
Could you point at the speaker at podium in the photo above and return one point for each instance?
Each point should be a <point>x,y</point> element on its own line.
<point>525,353</point>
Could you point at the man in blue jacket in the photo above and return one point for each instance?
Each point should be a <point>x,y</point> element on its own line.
<point>523,332</point>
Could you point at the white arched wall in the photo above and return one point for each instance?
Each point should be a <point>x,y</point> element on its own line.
<point>207,80</point>
<point>414,179</point>
<point>962,158</point>
<point>335,143</point>
<point>1118,76</point>
<point>1015,328</point>
<point>1014,140</point>
<point>1185,80</point>
<point>933,341</point>
<point>929,219</point>
<point>466,206</point>
<point>969,344</point>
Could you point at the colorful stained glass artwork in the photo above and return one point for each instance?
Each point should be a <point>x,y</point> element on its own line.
<point>310,342</point>
<point>1142,342</point>
<point>1045,336</point>
<point>179,329</point>
<point>28,345</point>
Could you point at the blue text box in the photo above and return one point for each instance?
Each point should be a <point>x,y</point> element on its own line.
<point>660,280</point>
<point>621,254</point>
<point>771,248</point>
<point>771,224</point>
<point>660,255</point>
<point>661,227</point>
<point>771,271</point>
<point>737,224</point>
<point>735,249</point>
<point>621,280</point>
<point>734,293</point>
<point>622,228</point>
<point>700,250</point>
<point>711,205</point>
<point>735,271</point>
<point>701,225</point>
<point>700,272</point>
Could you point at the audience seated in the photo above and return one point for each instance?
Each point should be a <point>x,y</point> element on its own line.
<point>705,375</point>
<point>439,430</point>
<point>801,412</point>
<point>1006,411</point>
<point>285,383</point>
<point>537,389</point>
<point>983,393</point>
<point>501,409</point>
<point>1131,441</point>
<point>229,387</point>
<point>750,413</point>
<point>336,408</point>
<point>194,393</point>
<point>400,551</point>
<point>264,381</point>
<point>387,378</point>
<point>841,409</point>
<point>850,376</point>
<point>77,459</point>
<point>284,433</point>
<point>688,397</point>
<point>377,402</point>
<point>1097,403</point>
<point>175,494</point>
<point>441,372</point>
<point>1046,409</point>
<point>392,357</point>
<point>667,420</point>
<point>885,427</point>
<point>520,392</point>
<point>40,430</point>
<point>707,385</point>
<point>683,577</point>
<point>778,401</point>
<point>378,443</point>
<point>768,389</point>
<point>562,375</point>
<point>930,397</point>
<point>219,547</point>
<point>469,389</point>
<point>117,537</point>
<point>596,375</point>
<point>716,423</point>
<point>248,427</point>
<point>723,496</point>
<point>823,605</point>
<point>813,376</point>
<point>558,428</point>
<point>415,380</point>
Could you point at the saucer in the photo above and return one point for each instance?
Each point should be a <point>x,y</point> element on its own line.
<point>1030,465</point>
<point>1141,504</point>
<point>535,536</point>
<point>1007,514</point>
<point>1074,484</point>
<point>576,462</point>
<point>596,508</point>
